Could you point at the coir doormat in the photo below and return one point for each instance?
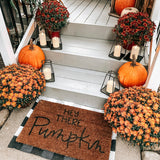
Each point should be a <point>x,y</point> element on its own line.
<point>58,131</point>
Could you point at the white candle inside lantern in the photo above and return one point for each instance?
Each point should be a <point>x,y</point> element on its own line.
<point>117,51</point>
<point>47,73</point>
<point>42,38</point>
<point>55,41</point>
<point>110,86</point>
<point>134,51</point>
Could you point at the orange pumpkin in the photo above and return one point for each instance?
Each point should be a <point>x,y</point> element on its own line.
<point>33,55</point>
<point>121,4</point>
<point>132,74</point>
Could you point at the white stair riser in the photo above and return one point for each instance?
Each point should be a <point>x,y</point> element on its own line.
<point>77,98</point>
<point>89,31</point>
<point>102,65</point>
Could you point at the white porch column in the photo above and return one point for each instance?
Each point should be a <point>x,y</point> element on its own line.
<point>155,15</point>
<point>153,80</point>
<point>6,49</point>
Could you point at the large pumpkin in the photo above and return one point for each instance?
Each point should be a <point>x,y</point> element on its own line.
<point>31,54</point>
<point>121,4</point>
<point>132,74</point>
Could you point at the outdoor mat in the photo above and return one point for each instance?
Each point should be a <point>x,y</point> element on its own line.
<point>58,131</point>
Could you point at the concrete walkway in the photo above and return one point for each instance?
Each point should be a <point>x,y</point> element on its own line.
<point>124,151</point>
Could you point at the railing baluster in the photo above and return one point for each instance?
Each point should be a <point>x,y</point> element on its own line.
<point>20,17</point>
<point>13,19</point>
<point>31,7</point>
<point>12,15</point>
<point>25,10</point>
<point>158,33</point>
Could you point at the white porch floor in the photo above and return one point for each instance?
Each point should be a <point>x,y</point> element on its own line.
<point>89,11</point>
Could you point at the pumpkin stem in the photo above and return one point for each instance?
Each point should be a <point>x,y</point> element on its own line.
<point>133,60</point>
<point>31,44</point>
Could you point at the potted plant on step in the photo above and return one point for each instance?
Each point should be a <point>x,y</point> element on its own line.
<point>52,15</point>
<point>134,29</point>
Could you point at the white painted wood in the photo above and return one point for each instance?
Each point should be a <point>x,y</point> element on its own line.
<point>153,80</point>
<point>86,13</point>
<point>92,19</point>
<point>26,36</point>
<point>78,80</point>
<point>90,12</point>
<point>79,10</point>
<point>77,85</point>
<point>78,74</point>
<point>75,97</point>
<point>84,53</point>
<point>69,3</point>
<point>89,31</point>
<point>103,18</point>
<point>154,45</point>
<point>74,6</point>
<point>6,49</point>
<point>155,15</point>
<point>112,21</point>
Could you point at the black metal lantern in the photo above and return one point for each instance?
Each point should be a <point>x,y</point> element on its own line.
<point>110,83</point>
<point>48,71</point>
<point>117,52</point>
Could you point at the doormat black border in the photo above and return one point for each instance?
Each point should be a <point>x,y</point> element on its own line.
<point>44,153</point>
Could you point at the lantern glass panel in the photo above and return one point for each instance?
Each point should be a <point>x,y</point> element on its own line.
<point>48,71</point>
<point>110,83</point>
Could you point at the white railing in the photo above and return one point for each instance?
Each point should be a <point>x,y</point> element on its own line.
<point>26,37</point>
<point>153,79</point>
<point>6,49</point>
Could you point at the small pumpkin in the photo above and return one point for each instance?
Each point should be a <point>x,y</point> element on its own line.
<point>121,4</point>
<point>32,55</point>
<point>128,10</point>
<point>132,74</point>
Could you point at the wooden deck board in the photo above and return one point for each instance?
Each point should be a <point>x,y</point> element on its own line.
<point>88,11</point>
<point>103,18</point>
<point>74,6</point>
<point>68,3</point>
<point>77,13</point>
<point>96,12</point>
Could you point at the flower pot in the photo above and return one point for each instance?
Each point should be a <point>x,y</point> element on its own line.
<point>128,46</point>
<point>55,37</point>
<point>52,34</point>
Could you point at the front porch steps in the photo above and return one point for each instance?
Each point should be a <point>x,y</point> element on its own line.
<point>89,18</point>
<point>86,53</point>
<point>77,85</point>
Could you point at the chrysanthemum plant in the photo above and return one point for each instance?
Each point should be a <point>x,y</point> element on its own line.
<point>134,113</point>
<point>50,14</point>
<point>134,28</point>
<point>20,85</point>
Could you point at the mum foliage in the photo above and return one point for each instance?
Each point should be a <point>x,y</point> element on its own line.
<point>52,15</point>
<point>20,85</point>
<point>135,114</point>
<point>134,27</point>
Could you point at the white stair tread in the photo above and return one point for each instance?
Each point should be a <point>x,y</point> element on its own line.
<point>78,80</point>
<point>94,12</point>
<point>81,46</point>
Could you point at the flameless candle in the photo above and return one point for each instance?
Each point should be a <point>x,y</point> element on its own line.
<point>110,86</point>
<point>117,51</point>
<point>135,51</point>
<point>47,73</point>
<point>42,38</point>
<point>55,41</point>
